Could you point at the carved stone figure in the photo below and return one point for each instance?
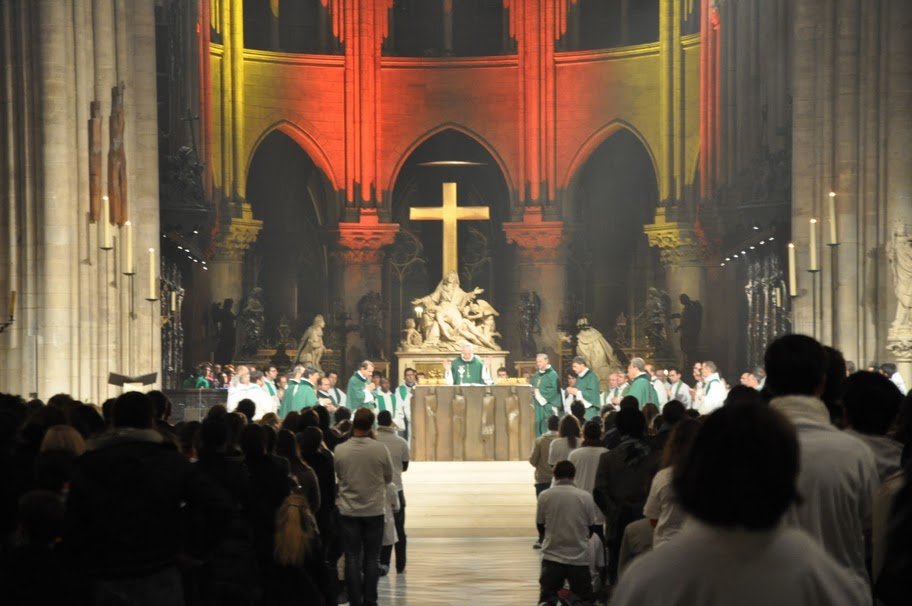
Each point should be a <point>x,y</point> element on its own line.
<point>598,352</point>
<point>117,159</point>
<point>899,254</point>
<point>691,322</point>
<point>371,312</point>
<point>311,348</point>
<point>411,338</point>
<point>95,145</point>
<point>459,426</point>
<point>226,338</point>
<point>529,310</point>
<point>657,309</point>
<point>250,324</point>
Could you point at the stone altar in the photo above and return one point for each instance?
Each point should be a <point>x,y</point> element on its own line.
<point>472,423</point>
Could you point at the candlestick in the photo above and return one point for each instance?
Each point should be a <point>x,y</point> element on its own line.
<point>173,301</point>
<point>12,304</point>
<point>104,225</point>
<point>793,274</point>
<point>812,265</point>
<point>128,249</point>
<point>831,206</point>
<point>152,296</point>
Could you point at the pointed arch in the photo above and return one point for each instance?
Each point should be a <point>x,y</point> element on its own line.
<point>595,141</point>
<point>305,141</point>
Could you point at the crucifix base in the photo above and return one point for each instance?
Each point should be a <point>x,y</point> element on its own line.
<point>431,363</point>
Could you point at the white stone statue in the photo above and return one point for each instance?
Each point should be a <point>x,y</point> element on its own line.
<point>899,254</point>
<point>598,352</point>
<point>312,348</point>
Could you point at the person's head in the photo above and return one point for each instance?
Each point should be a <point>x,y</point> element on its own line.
<point>697,371</point>
<point>673,412</point>
<point>612,380</point>
<point>636,367</point>
<point>419,377</point>
<point>253,441</point>
<point>310,441</point>
<point>295,531</point>
<point>256,377</point>
<point>579,364</point>
<point>134,409</point>
<point>749,380</point>
<point>376,377</point>
<point>247,407</point>
<point>65,438</point>
<point>213,436</point>
<point>680,441</point>
<point>577,410</point>
<point>708,368</point>
<point>502,373</point>
<point>411,376</point>
<point>363,421</point>
<point>333,378</point>
<point>236,423</point>
<point>243,374</point>
<point>162,404</point>
<point>850,368</point>
<point>553,423</point>
<point>871,402</point>
<point>384,384</point>
<point>888,369</point>
<point>832,387</point>
<point>290,422</point>
<point>650,411</point>
<point>741,394</point>
<point>87,421</point>
<point>287,446</point>
<point>343,413</point>
<point>592,432</point>
<point>384,418</point>
<point>795,365</point>
<point>569,427</point>
<point>629,402</point>
<point>366,367</point>
<point>650,370</point>
<point>571,378</point>
<point>298,371</point>
<point>564,470</point>
<point>630,422</point>
<point>541,361</point>
<point>466,350</point>
<point>271,419</point>
<point>324,384</point>
<point>308,418</point>
<point>674,375</point>
<point>741,469</point>
<point>271,372</point>
<point>311,374</point>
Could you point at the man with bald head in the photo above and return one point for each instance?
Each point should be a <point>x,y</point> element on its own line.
<point>467,369</point>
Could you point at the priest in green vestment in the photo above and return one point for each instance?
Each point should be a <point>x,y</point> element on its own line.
<point>467,369</point>
<point>547,393</point>
<point>301,391</point>
<point>640,387</point>
<point>361,388</point>
<point>587,389</point>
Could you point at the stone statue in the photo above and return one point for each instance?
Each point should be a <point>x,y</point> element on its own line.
<point>370,313</point>
<point>529,309</point>
<point>598,352</point>
<point>226,336</point>
<point>250,324</point>
<point>657,309</point>
<point>311,349</point>
<point>411,338</point>
<point>451,316</point>
<point>899,254</point>
<point>95,173</point>
<point>691,322</point>
<point>117,159</point>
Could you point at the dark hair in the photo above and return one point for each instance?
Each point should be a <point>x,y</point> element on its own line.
<point>364,419</point>
<point>270,434</point>
<point>871,402</point>
<point>835,378</point>
<point>287,446</point>
<point>107,411</point>
<point>592,432</point>
<point>377,374</point>
<point>290,422</point>
<point>564,470</point>
<point>213,435</point>
<point>323,416</point>
<point>384,418</point>
<point>187,436</point>
<point>742,394</point>
<point>310,441</point>
<point>236,423</point>
<point>650,411</point>
<point>630,422</point>
<point>409,369</point>
<point>578,409</point>
<point>364,364</point>
<point>795,364</point>
<point>741,469</point>
<point>308,418</point>
<point>162,404</point>
<point>570,429</point>
<point>253,441</point>
<point>217,410</point>
<point>553,423</point>
<point>247,408</point>
<point>888,368</point>
<point>629,402</point>
<point>342,414</point>
<point>672,412</point>
<point>87,421</point>
<point>134,409</point>
<point>680,441</point>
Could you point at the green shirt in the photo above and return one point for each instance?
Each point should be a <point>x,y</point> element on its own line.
<point>548,385</point>
<point>590,391</point>
<point>467,373</point>
<point>299,394</point>
<point>641,389</point>
<point>355,390</point>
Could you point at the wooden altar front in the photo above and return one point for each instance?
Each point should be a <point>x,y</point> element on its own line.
<point>472,423</point>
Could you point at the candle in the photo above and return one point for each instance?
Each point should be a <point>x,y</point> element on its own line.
<point>813,247</point>
<point>173,300</point>
<point>105,224</point>
<point>152,294</point>
<point>128,248</point>
<point>793,274</point>
<point>832,213</point>
<point>12,304</point>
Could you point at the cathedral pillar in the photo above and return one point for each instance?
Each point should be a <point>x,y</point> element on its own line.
<point>541,268</point>
<point>357,268</point>
<point>685,270</point>
<point>234,238</point>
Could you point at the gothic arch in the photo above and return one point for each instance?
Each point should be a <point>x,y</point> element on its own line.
<point>305,141</point>
<point>595,140</point>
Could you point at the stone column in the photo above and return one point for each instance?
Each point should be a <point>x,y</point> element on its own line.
<point>542,268</point>
<point>235,237</point>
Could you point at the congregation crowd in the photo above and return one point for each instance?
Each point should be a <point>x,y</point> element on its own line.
<point>790,488</point>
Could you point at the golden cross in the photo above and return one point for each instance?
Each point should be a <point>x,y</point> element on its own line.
<point>450,214</point>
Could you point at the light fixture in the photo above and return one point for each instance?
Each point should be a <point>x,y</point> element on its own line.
<point>832,194</point>
<point>771,238</point>
<point>728,258</point>
<point>735,256</point>
<point>756,227</point>
<point>752,248</point>
<point>419,311</point>
<point>721,264</point>
<point>743,252</point>
<point>762,242</point>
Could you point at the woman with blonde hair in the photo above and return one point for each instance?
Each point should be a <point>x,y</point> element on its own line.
<point>54,465</point>
<point>65,438</point>
<point>300,569</point>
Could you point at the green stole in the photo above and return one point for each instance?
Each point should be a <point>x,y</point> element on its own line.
<point>470,373</point>
<point>385,401</point>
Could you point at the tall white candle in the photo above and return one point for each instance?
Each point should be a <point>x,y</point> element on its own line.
<point>173,300</point>
<point>812,265</point>
<point>831,205</point>
<point>793,273</point>
<point>105,224</point>
<point>152,272</point>
<point>128,248</point>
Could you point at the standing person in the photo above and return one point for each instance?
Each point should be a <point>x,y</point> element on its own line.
<point>403,416</point>
<point>337,396</point>
<point>657,379</point>
<point>587,388</point>
<point>324,394</point>
<point>678,389</point>
<point>567,441</point>
<point>302,393</point>
<point>547,393</point>
<point>361,388</point>
<point>662,508</point>
<point>838,477</point>
<point>567,517</point>
<point>467,369</point>
<point>384,397</point>
<point>269,381</point>
<point>538,458</point>
<point>714,391</point>
<point>586,458</point>
<point>399,454</point>
<point>640,386</point>
<point>696,392</point>
<point>567,397</point>
<point>363,468</point>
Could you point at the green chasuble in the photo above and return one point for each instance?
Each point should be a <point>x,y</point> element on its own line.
<point>298,395</point>
<point>385,401</point>
<point>641,389</point>
<point>270,387</point>
<point>467,373</point>
<point>588,384</point>
<point>355,394</point>
<point>546,382</point>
